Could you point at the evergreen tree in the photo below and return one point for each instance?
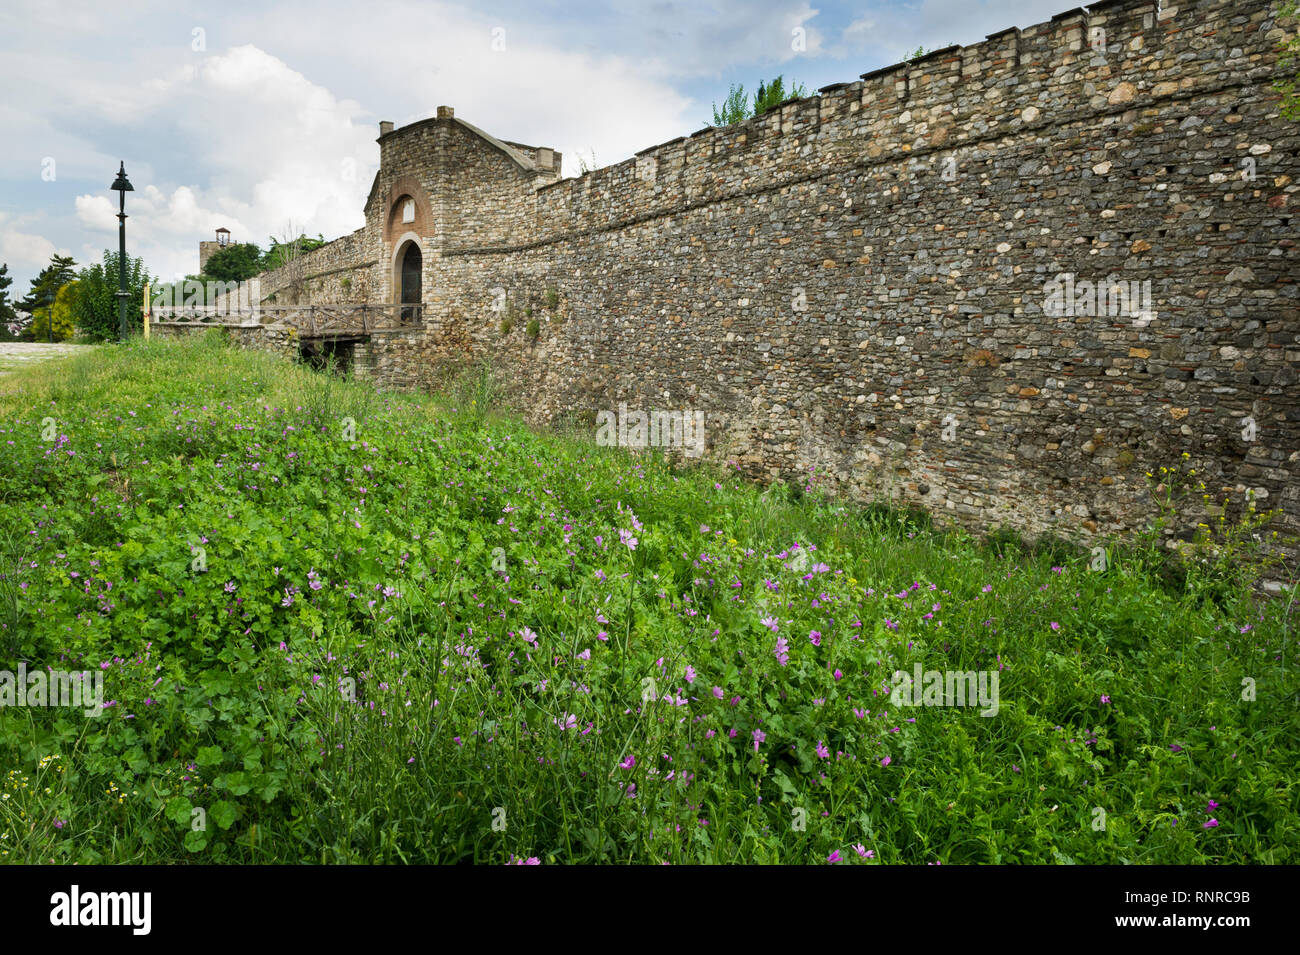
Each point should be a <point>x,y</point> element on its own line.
<point>45,286</point>
<point>8,317</point>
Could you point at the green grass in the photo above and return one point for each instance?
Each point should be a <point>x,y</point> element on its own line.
<point>400,602</point>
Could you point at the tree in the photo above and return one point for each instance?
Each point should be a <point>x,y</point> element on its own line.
<point>9,324</point>
<point>59,314</point>
<point>238,262</point>
<point>774,94</point>
<point>94,305</point>
<point>45,286</point>
<point>737,107</point>
<point>290,245</point>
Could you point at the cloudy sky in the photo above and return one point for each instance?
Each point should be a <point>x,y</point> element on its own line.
<point>258,117</point>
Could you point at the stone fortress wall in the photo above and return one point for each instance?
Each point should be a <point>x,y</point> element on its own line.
<point>859,282</point>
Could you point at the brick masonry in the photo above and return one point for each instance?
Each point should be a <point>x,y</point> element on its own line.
<point>857,282</point>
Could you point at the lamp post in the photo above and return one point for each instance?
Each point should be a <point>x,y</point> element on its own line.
<point>121,186</point>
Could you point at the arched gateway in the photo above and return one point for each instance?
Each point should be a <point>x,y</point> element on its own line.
<point>410,261</point>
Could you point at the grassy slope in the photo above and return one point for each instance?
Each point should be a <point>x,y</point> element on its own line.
<point>404,607</point>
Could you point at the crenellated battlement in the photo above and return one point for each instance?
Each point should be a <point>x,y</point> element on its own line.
<point>1118,56</point>
<point>1003,281</point>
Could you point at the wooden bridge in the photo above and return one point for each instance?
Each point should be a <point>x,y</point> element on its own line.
<point>329,322</point>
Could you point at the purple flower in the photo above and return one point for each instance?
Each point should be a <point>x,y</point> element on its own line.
<point>1212,824</point>
<point>834,857</point>
<point>1212,806</point>
<point>1175,748</point>
<point>717,692</point>
<point>759,736</point>
<point>886,761</point>
<point>838,675</point>
<point>1055,625</point>
<point>629,762</point>
<point>781,651</point>
<point>769,622</point>
<point>625,537</point>
<point>863,851</point>
<point>822,751</point>
<point>815,638</point>
<point>1105,699</point>
<point>690,673</point>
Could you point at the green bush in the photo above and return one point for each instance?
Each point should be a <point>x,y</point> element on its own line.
<point>95,304</point>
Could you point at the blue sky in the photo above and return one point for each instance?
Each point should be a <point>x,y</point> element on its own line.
<point>263,117</point>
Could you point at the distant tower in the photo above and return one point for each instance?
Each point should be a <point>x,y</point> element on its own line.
<point>208,249</point>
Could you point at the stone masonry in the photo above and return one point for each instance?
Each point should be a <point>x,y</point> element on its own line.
<point>909,284</point>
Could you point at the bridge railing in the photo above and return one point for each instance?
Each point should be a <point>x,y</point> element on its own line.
<point>312,321</point>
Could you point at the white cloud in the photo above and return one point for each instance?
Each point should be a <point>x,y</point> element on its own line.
<point>545,88</point>
<point>23,252</point>
<point>267,126</point>
<point>276,148</point>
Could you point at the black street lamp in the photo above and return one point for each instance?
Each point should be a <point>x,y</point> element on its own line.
<point>121,186</point>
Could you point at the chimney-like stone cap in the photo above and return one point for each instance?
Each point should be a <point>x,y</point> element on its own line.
<point>446,112</point>
<point>385,127</point>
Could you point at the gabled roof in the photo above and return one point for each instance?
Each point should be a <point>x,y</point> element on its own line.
<point>518,158</point>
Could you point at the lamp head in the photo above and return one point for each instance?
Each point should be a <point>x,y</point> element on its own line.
<point>121,183</point>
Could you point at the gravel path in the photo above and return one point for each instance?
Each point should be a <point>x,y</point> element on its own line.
<point>16,354</point>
